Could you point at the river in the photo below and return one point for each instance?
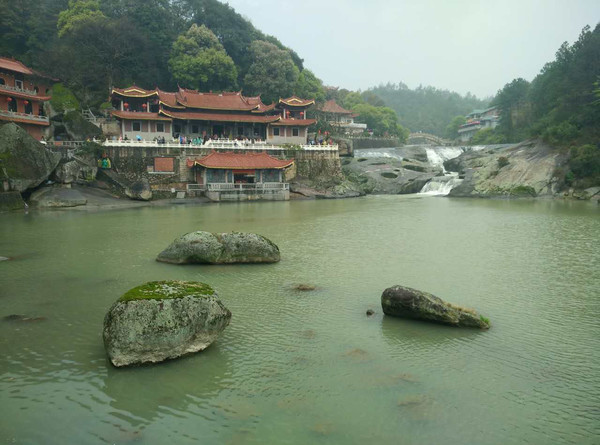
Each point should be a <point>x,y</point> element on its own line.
<point>310,367</point>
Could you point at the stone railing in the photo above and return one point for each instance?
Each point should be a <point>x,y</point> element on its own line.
<point>19,90</point>
<point>264,186</point>
<point>217,144</point>
<point>30,117</point>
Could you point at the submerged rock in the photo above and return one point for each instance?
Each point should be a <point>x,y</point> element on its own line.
<point>404,302</point>
<point>304,287</point>
<point>163,320</point>
<point>220,248</point>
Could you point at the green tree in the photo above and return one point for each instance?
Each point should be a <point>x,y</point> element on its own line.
<point>198,60</point>
<point>382,120</point>
<point>79,13</point>
<point>515,112</point>
<point>272,73</point>
<point>309,86</point>
<point>352,99</point>
<point>452,128</point>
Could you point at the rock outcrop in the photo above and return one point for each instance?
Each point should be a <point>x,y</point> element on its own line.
<point>57,197</point>
<point>404,302</point>
<point>220,248</point>
<point>389,175</point>
<point>81,168</point>
<point>163,320</point>
<point>11,201</point>
<point>24,162</point>
<point>529,169</point>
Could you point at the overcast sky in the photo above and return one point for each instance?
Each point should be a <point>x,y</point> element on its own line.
<point>475,46</point>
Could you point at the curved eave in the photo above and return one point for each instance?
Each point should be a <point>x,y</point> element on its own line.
<point>134,92</point>
<point>199,164</point>
<point>24,121</point>
<point>24,95</point>
<point>141,116</point>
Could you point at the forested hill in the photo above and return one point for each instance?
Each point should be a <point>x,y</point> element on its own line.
<point>91,45</point>
<point>427,109</point>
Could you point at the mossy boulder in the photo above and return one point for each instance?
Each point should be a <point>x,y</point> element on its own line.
<point>405,302</point>
<point>163,320</point>
<point>24,162</point>
<point>11,201</point>
<point>220,248</point>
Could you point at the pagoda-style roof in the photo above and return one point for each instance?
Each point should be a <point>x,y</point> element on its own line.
<point>229,117</point>
<point>240,161</point>
<point>295,101</point>
<point>262,108</point>
<point>134,91</point>
<point>295,122</point>
<point>331,106</point>
<point>14,65</point>
<point>214,101</point>
<point>168,99</point>
<point>139,115</point>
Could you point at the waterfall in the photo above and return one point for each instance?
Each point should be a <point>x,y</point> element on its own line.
<point>437,155</point>
<point>441,185</point>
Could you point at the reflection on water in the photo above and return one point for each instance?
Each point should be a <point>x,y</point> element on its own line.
<point>309,367</point>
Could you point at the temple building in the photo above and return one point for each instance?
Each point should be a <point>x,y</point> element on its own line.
<point>478,120</point>
<point>234,176</point>
<point>22,95</point>
<point>339,117</point>
<point>149,114</point>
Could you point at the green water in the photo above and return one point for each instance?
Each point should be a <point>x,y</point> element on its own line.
<point>299,368</point>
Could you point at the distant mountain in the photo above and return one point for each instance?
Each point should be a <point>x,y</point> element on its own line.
<point>426,109</point>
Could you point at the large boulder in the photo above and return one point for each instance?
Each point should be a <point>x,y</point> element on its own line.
<point>220,248</point>
<point>163,320</point>
<point>57,197</point>
<point>24,162</point>
<point>139,190</point>
<point>404,302</point>
<point>81,167</point>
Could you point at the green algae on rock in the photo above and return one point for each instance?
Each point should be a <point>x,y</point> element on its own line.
<point>160,290</point>
<point>220,248</point>
<point>163,320</point>
<point>405,302</point>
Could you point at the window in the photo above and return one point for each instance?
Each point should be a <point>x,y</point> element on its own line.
<point>19,84</point>
<point>160,127</point>
<point>295,131</point>
<point>195,129</point>
<point>2,81</point>
<point>177,128</point>
<point>276,131</point>
<point>137,126</point>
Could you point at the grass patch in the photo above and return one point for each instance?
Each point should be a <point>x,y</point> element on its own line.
<point>484,319</point>
<point>523,190</point>
<point>161,290</point>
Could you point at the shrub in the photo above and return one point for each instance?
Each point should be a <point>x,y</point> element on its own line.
<point>502,161</point>
<point>585,163</point>
<point>63,99</point>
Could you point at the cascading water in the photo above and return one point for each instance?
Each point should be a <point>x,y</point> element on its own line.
<point>443,184</point>
<point>437,155</point>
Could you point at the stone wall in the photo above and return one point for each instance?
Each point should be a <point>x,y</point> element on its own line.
<point>362,143</point>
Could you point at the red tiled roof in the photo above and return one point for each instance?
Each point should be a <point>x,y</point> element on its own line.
<point>296,102</point>
<point>23,95</point>
<point>14,65</point>
<point>214,101</point>
<point>240,161</point>
<point>331,106</point>
<point>169,99</point>
<point>140,116</point>
<point>295,122</point>
<point>220,117</point>
<point>256,100</point>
